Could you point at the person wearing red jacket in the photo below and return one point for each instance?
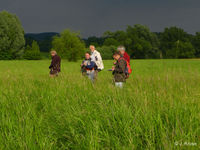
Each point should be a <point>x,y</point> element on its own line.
<point>124,54</point>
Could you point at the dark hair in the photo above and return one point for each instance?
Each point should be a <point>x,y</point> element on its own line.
<point>87,52</point>
<point>117,53</point>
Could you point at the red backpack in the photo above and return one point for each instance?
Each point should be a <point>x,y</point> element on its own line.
<point>128,69</point>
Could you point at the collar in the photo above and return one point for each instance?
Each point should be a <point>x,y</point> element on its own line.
<point>88,59</point>
<point>94,51</point>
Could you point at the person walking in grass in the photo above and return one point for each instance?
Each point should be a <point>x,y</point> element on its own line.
<point>96,57</point>
<point>126,57</point>
<point>55,64</point>
<point>88,67</point>
<point>119,70</point>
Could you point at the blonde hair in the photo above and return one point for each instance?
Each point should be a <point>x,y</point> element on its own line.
<point>92,46</point>
<point>53,52</point>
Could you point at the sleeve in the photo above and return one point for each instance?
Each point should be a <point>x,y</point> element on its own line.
<point>50,66</point>
<point>52,63</point>
<point>98,59</point>
<point>128,58</point>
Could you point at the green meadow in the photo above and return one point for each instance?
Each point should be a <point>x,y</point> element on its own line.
<point>159,107</point>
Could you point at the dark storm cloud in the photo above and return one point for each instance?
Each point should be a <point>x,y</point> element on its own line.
<point>93,17</point>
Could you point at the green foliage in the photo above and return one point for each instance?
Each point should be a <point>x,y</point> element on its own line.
<point>186,50</point>
<point>107,51</point>
<point>11,36</point>
<point>33,52</point>
<point>181,50</point>
<point>146,42</point>
<point>175,43</point>
<point>44,40</point>
<point>111,41</point>
<point>69,45</point>
<point>196,43</point>
<point>93,40</point>
<point>158,106</point>
<point>139,41</point>
<point>118,37</point>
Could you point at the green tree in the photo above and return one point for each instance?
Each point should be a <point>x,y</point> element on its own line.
<point>12,40</point>
<point>196,43</point>
<point>171,39</point>
<point>111,41</point>
<point>117,38</point>
<point>181,50</point>
<point>33,52</point>
<point>186,50</point>
<point>69,45</point>
<point>93,40</point>
<point>139,41</point>
<point>142,42</point>
<point>107,51</point>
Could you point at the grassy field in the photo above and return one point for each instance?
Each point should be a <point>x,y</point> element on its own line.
<point>159,107</point>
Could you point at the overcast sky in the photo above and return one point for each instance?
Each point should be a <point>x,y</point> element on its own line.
<point>93,17</point>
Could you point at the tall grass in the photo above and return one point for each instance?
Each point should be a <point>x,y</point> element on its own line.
<point>158,107</point>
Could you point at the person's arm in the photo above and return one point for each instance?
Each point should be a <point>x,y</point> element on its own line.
<point>122,66</point>
<point>82,64</point>
<point>98,59</point>
<point>51,65</point>
<point>127,57</point>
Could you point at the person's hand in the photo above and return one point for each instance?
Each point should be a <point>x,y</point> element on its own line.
<point>85,63</point>
<point>113,68</point>
<point>114,63</point>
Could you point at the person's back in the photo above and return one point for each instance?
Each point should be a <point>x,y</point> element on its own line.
<point>55,64</point>
<point>119,70</point>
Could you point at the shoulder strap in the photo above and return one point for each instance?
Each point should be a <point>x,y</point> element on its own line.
<point>123,59</point>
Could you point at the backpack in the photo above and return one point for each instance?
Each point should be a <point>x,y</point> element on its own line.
<point>128,69</point>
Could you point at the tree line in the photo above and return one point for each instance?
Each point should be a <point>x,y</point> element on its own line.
<point>139,41</point>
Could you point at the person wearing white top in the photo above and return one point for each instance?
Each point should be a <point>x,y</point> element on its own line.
<point>96,57</point>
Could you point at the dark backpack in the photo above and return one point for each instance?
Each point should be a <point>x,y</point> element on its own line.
<point>128,69</point>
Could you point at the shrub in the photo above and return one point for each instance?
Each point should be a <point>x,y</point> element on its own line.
<point>107,51</point>
<point>32,53</point>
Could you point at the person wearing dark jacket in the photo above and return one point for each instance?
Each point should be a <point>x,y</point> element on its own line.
<point>119,70</point>
<point>55,64</point>
<point>88,67</point>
